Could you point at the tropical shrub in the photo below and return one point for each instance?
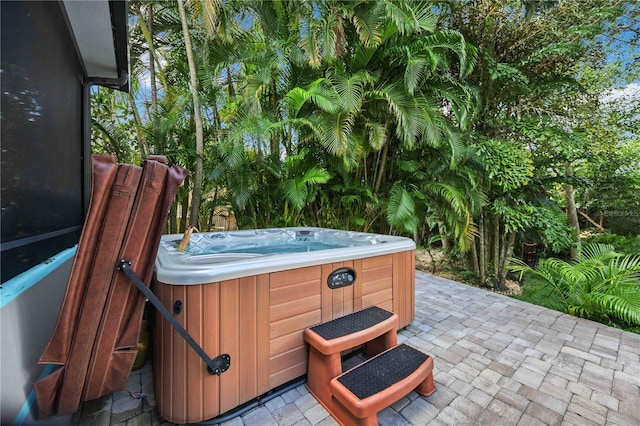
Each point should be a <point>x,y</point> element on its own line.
<point>622,243</point>
<point>600,284</point>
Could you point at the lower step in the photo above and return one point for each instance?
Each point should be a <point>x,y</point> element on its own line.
<point>384,379</point>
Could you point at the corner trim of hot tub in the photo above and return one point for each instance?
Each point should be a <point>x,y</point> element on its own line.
<point>202,274</point>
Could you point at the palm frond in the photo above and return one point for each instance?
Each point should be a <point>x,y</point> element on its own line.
<point>377,135</point>
<point>414,72</point>
<point>424,16</point>
<point>323,97</point>
<point>327,37</point>
<point>309,43</point>
<point>334,132</point>
<point>600,284</point>
<point>401,209</point>
<point>402,16</point>
<point>452,40</point>
<point>595,252</point>
<point>367,22</point>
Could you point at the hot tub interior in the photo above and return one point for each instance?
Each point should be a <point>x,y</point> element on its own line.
<point>272,241</point>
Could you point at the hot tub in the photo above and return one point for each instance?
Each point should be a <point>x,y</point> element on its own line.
<point>251,294</point>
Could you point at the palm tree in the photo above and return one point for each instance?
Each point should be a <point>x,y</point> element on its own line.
<point>599,284</point>
<point>197,115</point>
<point>393,93</point>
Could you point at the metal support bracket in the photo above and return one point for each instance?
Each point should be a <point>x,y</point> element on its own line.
<point>215,366</point>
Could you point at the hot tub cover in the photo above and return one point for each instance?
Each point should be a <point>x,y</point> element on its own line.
<point>102,311</point>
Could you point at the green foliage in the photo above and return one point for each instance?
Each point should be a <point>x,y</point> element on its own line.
<point>628,244</point>
<point>516,217</point>
<point>613,177</point>
<point>551,225</point>
<point>600,284</point>
<point>301,181</point>
<point>389,116</point>
<point>508,166</point>
<point>536,291</point>
<point>401,209</point>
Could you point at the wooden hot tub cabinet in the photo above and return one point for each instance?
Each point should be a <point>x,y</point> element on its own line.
<point>259,321</point>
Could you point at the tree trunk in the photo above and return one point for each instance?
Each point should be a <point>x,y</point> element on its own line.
<point>184,206</point>
<point>152,67</point>
<point>230,90</point>
<point>602,219</point>
<point>172,223</point>
<point>474,257</point>
<point>138,126</point>
<point>274,147</point>
<point>496,245</point>
<point>593,222</point>
<point>383,162</point>
<point>183,218</point>
<point>572,211</point>
<point>510,241</point>
<point>443,236</point>
<point>152,51</point>
<point>482,251</point>
<point>194,219</point>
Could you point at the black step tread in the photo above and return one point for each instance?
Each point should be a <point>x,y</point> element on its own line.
<point>351,323</point>
<point>380,372</point>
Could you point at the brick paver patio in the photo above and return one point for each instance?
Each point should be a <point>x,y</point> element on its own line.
<point>498,361</point>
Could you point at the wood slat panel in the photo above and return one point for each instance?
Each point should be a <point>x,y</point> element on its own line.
<point>248,339</point>
<point>410,286</point>
<point>287,359</point>
<point>349,291</point>
<point>406,283</point>
<point>378,299</point>
<point>382,284</point>
<point>289,374</point>
<point>211,345</point>
<point>327,294</point>
<point>179,363</point>
<point>299,322</point>
<point>347,306</point>
<point>229,336</point>
<point>357,287</point>
<point>342,301</point>
<point>384,304</point>
<point>376,262</point>
<point>295,276</point>
<point>193,314</point>
<point>373,274</point>
<point>164,357</point>
<point>398,295</point>
<point>295,307</point>
<point>263,330</point>
<point>293,292</point>
<point>404,286</point>
<point>286,343</point>
<point>295,304</point>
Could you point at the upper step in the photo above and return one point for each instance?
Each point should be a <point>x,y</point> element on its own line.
<point>351,330</point>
